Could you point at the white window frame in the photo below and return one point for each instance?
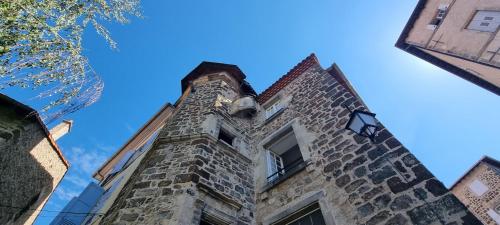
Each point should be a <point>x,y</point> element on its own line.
<point>274,164</point>
<point>477,21</point>
<point>438,19</point>
<point>273,108</point>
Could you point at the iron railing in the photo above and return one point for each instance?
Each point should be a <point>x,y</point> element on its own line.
<point>287,171</point>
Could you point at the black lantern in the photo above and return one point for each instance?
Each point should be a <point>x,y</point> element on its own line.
<point>362,123</point>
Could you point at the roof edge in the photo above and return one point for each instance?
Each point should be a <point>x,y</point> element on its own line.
<point>31,113</point>
<point>415,51</point>
<point>206,67</point>
<point>144,126</point>
<point>400,43</point>
<point>484,159</point>
<point>338,75</point>
<point>284,80</point>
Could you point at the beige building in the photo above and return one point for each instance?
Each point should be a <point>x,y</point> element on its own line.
<point>479,190</point>
<point>31,163</point>
<point>460,36</point>
<point>115,173</point>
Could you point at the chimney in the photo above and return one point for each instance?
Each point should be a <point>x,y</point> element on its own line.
<point>61,129</point>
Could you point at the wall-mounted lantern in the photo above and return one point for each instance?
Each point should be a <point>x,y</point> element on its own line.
<point>362,123</point>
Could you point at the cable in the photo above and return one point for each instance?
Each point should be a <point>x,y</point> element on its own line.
<point>54,211</point>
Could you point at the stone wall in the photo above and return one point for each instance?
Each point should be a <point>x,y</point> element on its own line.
<point>30,168</point>
<point>480,205</point>
<point>363,182</point>
<point>189,174</point>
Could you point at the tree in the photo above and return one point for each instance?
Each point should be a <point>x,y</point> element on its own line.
<point>40,46</point>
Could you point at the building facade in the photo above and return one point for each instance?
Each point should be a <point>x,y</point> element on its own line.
<point>76,210</point>
<point>116,172</point>
<point>31,164</point>
<point>460,36</point>
<point>479,190</point>
<point>229,156</point>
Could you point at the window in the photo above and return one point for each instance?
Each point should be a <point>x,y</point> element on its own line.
<point>309,215</point>
<point>478,188</point>
<point>497,208</point>
<point>487,21</point>
<point>226,137</point>
<point>436,21</point>
<point>205,223</point>
<point>494,215</point>
<point>283,156</point>
<point>273,107</point>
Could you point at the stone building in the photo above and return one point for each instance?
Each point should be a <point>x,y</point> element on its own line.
<point>460,36</point>
<point>479,190</point>
<point>229,156</point>
<point>31,163</point>
<point>115,173</point>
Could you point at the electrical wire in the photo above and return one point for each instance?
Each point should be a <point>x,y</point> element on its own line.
<point>54,211</point>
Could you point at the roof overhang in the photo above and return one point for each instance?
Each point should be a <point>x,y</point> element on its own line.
<point>485,159</point>
<point>418,52</point>
<point>31,114</point>
<point>212,67</point>
<point>163,114</point>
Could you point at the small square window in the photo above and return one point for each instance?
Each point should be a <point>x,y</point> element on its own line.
<point>273,107</point>
<point>226,137</point>
<point>484,24</point>
<point>478,188</point>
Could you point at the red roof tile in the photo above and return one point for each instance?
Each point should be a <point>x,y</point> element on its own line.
<point>288,78</point>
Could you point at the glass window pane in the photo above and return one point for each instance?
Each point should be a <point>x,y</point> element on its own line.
<point>317,218</point>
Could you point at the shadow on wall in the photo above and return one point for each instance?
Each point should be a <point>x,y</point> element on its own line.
<point>25,183</point>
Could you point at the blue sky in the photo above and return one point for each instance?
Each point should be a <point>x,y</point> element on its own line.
<point>446,122</point>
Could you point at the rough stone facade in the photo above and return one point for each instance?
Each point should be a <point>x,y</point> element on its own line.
<point>30,166</point>
<point>190,175</point>
<point>486,206</point>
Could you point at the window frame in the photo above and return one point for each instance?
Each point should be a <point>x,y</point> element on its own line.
<point>472,19</point>
<point>273,107</point>
<point>274,165</point>
<point>477,186</point>
<point>227,134</point>
<point>438,17</point>
<point>301,213</point>
<point>274,176</point>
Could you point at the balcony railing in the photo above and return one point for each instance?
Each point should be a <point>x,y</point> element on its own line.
<point>286,172</point>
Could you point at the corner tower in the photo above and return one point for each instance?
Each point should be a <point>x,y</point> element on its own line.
<point>200,167</point>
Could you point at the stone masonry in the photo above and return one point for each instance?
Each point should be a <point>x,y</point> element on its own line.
<point>30,164</point>
<point>485,206</point>
<point>190,175</point>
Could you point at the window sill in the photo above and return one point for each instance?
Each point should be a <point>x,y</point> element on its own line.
<point>274,115</point>
<point>287,175</point>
